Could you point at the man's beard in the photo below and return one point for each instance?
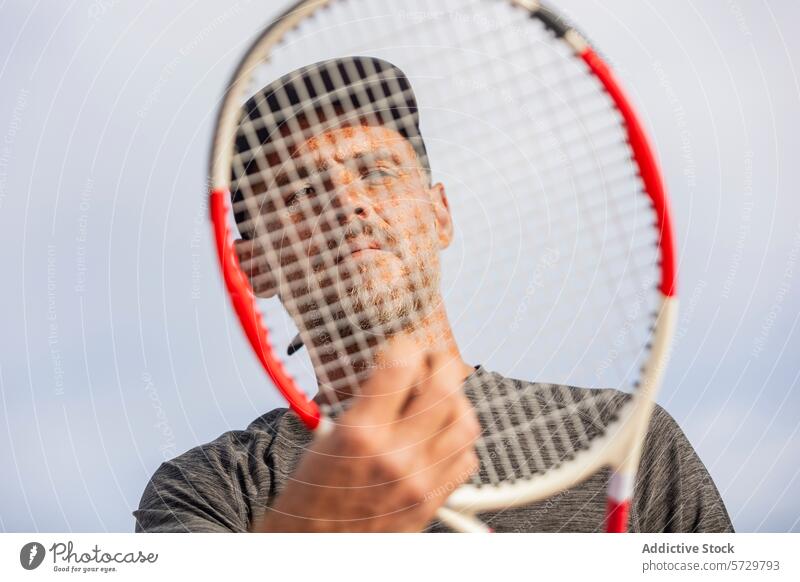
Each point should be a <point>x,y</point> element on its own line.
<point>352,326</point>
<point>383,294</point>
<point>366,300</point>
<point>380,306</point>
<point>358,307</point>
<point>347,306</point>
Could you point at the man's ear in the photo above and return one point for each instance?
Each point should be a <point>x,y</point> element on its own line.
<point>254,265</point>
<point>442,216</point>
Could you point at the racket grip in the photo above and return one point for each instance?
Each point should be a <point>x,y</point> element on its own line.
<point>618,502</point>
<point>617,515</point>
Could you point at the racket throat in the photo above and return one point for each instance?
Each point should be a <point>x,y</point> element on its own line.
<point>618,501</point>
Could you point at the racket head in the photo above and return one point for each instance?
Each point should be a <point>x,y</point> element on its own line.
<point>564,148</point>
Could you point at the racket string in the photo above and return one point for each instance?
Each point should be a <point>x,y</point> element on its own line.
<point>525,415</point>
<point>558,150</point>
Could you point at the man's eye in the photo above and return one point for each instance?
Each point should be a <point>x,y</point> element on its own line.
<point>378,174</point>
<point>306,190</point>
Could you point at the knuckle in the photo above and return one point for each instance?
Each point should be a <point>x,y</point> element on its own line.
<point>466,418</point>
<point>469,465</point>
<point>469,432</point>
<point>436,361</point>
<point>392,466</point>
<point>357,440</point>
<point>472,426</point>
<point>436,391</point>
<point>402,354</point>
<point>444,386</point>
<point>415,489</point>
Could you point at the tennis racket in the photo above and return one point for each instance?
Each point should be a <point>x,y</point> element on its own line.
<point>563,266</point>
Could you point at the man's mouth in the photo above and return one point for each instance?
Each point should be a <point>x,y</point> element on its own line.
<point>358,247</point>
<point>362,251</point>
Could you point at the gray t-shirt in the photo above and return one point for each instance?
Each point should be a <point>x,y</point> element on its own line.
<point>224,485</point>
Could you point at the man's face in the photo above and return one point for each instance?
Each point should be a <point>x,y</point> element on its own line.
<point>356,229</point>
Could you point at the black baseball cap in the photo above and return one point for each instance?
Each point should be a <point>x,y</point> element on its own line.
<point>365,89</point>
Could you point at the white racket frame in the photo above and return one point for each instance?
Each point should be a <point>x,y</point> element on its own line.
<point>620,447</point>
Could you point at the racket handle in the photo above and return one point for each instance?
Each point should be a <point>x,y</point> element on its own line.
<point>618,503</point>
<point>460,522</point>
<point>617,515</point>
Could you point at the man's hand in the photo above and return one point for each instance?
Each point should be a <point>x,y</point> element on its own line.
<point>395,454</point>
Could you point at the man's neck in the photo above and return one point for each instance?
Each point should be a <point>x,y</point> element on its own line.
<point>435,334</point>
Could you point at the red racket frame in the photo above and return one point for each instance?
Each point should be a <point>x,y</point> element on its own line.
<point>249,315</point>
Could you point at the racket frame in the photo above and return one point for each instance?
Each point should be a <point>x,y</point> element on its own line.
<point>620,445</point>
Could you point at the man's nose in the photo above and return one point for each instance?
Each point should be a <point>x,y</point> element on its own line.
<point>350,198</point>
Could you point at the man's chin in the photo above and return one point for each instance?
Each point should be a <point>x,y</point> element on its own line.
<point>380,307</point>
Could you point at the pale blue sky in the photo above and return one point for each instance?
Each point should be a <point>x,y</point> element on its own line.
<point>118,348</point>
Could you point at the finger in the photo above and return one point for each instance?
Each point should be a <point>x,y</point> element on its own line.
<point>449,476</point>
<point>397,371</point>
<point>441,378</point>
<point>434,406</point>
<point>460,435</point>
<point>463,466</point>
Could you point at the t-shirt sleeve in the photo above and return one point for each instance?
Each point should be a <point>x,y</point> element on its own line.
<point>674,491</point>
<point>195,492</point>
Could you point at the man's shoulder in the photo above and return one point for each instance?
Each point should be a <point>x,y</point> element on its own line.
<point>213,486</point>
<point>484,374</point>
<point>674,491</point>
<point>551,396</point>
<point>664,441</point>
<point>259,436</point>
<point>662,423</point>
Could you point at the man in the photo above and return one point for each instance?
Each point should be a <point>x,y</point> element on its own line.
<point>340,220</point>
